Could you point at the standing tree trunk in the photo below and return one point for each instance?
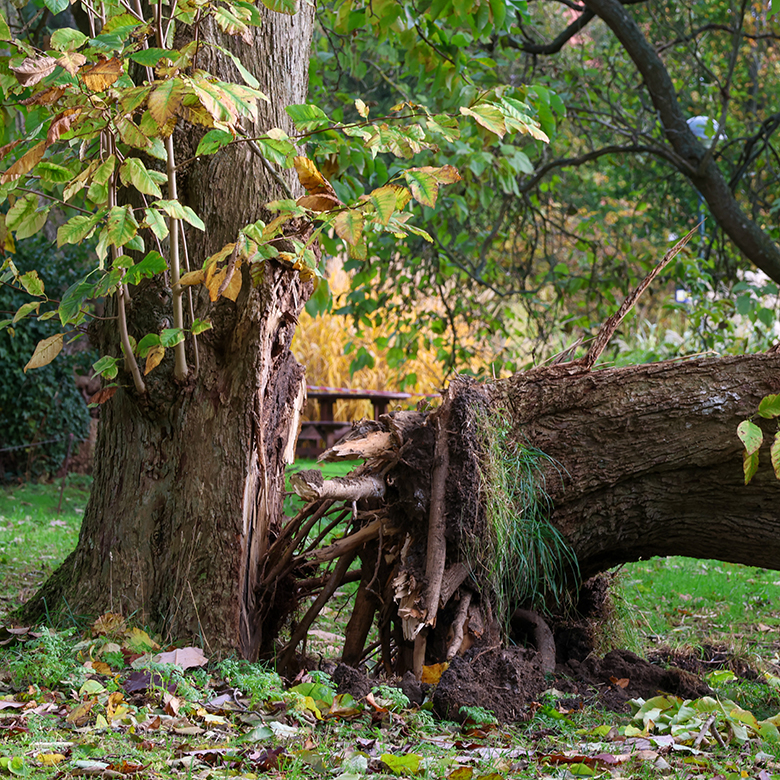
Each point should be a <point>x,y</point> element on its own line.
<point>189,480</point>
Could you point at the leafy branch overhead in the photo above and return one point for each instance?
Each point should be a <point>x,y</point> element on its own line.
<point>99,115</point>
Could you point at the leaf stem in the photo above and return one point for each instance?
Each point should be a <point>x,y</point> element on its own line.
<point>122,296</point>
<point>180,369</point>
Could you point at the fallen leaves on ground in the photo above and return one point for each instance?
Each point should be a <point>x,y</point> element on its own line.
<point>126,707</point>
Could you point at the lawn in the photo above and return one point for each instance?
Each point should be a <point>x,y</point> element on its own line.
<point>103,701</point>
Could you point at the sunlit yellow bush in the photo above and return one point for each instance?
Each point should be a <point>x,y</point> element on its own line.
<point>320,344</point>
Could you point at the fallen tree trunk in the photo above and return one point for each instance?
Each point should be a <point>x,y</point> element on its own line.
<point>612,466</point>
<point>647,460</point>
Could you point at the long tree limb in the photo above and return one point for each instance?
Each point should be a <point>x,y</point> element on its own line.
<point>757,246</point>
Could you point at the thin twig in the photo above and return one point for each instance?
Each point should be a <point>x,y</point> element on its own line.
<point>271,172</point>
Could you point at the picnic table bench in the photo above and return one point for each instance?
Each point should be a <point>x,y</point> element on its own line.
<point>318,435</point>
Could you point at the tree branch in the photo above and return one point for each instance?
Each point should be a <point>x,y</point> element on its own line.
<point>757,246</point>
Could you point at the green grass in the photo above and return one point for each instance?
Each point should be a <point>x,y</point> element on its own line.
<point>34,539</point>
<point>688,602</point>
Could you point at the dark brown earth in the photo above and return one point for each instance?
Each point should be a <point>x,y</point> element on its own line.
<point>508,681</point>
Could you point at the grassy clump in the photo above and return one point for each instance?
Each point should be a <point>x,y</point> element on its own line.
<point>522,556</point>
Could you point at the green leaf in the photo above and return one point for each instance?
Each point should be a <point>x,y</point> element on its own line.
<point>407,764</point>
<point>72,300</point>
<point>56,6</point>
<point>774,453</point>
<point>213,141</point>
<point>170,337</point>
<point>67,39</point>
<point>25,309</point>
<point>146,343</point>
<point>282,6</point>
<point>749,465</point>
<point>776,6</point>
<point>121,225</point>
<point>156,223</point>
<point>769,406</point>
<point>178,211</point>
<point>490,117</point>
<point>251,15</point>
<point>150,57</point>
<point>107,283</point>
<point>98,189</point>
<point>57,174</point>
<point>349,226</point>
<point>199,326</point>
<point>76,229</point>
<point>750,435</point>
<point>307,117</point>
<point>107,366</point>
<point>32,283</point>
<point>133,172</point>
<point>5,30</point>
<point>24,217</point>
<point>153,264</point>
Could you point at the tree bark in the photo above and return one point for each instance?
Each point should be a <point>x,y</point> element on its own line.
<point>189,479</point>
<point>647,460</point>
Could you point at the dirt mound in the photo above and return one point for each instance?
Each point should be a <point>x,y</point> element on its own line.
<point>503,681</point>
<point>621,675</point>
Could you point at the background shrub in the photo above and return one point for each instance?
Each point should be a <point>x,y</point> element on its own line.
<point>44,403</point>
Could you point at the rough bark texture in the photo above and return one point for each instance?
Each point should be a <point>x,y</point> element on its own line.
<point>648,461</point>
<point>189,479</point>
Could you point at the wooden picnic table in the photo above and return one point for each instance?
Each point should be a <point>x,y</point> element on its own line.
<point>324,433</point>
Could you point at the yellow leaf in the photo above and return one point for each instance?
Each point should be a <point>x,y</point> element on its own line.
<point>234,287</point>
<point>45,98</point>
<point>102,74</point>
<point>165,100</point>
<point>80,715</point>
<point>25,163</point>
<point>154,358</point>
<point>362,108</point>
<point>139,641</point>
<point>432,674</point>
<point>192,277</point>
<point>322,202</point>
<point>45,351</point>
<point>109,623</point>
<point>349,226</point>
<point>71,61</point>
<point>213,283</point>
<point>312,180</point>
<point>50,759</point>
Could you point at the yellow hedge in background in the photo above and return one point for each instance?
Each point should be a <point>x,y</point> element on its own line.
<point>319,345</point>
